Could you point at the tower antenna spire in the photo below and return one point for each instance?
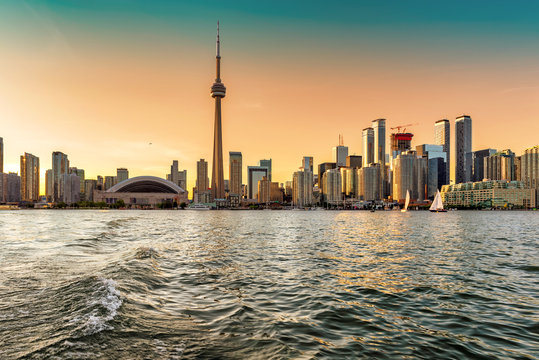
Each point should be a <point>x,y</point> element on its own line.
<point>218,41</point>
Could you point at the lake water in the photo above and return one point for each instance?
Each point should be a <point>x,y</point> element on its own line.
<point>269,284</point>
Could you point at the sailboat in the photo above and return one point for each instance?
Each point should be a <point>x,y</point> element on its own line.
<point>437,204</point>
<point>407,202</point>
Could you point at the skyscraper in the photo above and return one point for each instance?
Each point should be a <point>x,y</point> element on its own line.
<point>529,165</point>
<point>332,186</point>
<point>379,132</point>
<point>60,166</point>
<point>479,163</point>
<point>302,188</point>
<point>409,174</point>
<point>202,176</point>
<point>442,131</point>
<point>463,149</point>
<point>307,164</point>
<point>500,166</point>
<point>254,175</point>
<point>235,172</point>
<point>218,91</point>
<point>340,152</point>
<point>267,164</point>
<point>436,166</point>
<point>263,193</point>
<point>1,155</point>
<point>122,174</point>
<point>368,146</point>
<point>48,185</point>
<point>177,177</point>
<point>29,177</point>
<point>322,168</point>
<point>354,161</point>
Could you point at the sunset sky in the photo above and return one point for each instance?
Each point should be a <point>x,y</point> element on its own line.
<point>100,80</point>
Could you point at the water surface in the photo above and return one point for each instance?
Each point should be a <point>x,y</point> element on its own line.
<point>268,284</point>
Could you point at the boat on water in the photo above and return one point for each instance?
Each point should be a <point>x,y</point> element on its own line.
<point>198,207</point>
<point>437,203</point>
<point>407,202</point>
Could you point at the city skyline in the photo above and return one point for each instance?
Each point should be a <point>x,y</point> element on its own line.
<point>73,116</point>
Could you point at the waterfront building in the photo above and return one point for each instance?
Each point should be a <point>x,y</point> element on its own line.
<point>322,168</point>
<point>276,192</point>
<point>143,192</point>
<point>400,142</point>
<point>479,163</point>
<point>489,193</point>
<point>235,172</point>
<point>529,172</point>
<point>518,168</point>
<point>254,175</point>
<point>218,91</point>
<point>110,181</point>
<point>69,188</point>
<point>263,194</point>
<point>463,149</point>
<point>354,161</point>
<point>500,166</point>
<point>409,174</point>
<point>288,188</point>
<point>49,188</point>
<point>442,131</point>
<point>176,176</point>
<point>368,146</point>
<point>1,155</point>
<point>436,167</point>
<point>60,166</point>
<point>267,164</point>
<point>368,179</point>
<point>332,186</point>
<point>29,177</point>
<point>122,174</point>
<point>307,164</point>
<point>89,187</point>
<point>379,132</point>
<point>10,188</point>
<point>203,182</point>
<point>340,152</point>
<point>349,182</point>
<point>302,188</point>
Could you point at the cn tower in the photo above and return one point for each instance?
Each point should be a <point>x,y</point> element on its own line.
<point>218,91</point>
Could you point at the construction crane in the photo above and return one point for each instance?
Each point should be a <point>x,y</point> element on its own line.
<point>403,127</point>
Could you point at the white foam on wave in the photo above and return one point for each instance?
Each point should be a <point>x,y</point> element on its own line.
<point>109,303</point>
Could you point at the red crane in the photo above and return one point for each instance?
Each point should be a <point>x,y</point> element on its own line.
<point>403,127</point>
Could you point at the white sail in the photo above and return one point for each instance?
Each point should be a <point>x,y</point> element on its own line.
<point>437,203</point>
<point>407,202</point>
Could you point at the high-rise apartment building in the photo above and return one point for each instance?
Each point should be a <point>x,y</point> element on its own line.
<point>122,174</point>
<point>10,188</point>
<point>463,149</point>
<point>110,181</point>
<point>369,182</point>
<point>322,168</point>
<point>235,172</point>
<point>436,167</point>
<point>276,192</point>
<point>368,146</point>
<point>1,155</point>
<point>302,188</point>
<point>442,136</point>
<point>263,194</point>
<point>267,164</point>
<point>529,173</point>
<point>478,173</point>
<point>332,186</point>
<point>307,164</point>
<point>49,188</point>
<point>89,187</point>
<point>409,174</point>
<point>203,182</point>
<point>379,134</point>
<point>69,188</point>
<point>60,166</point>
<point>176,176</point>
<point>29,177</point>
<point>400,142</point>
<point>254,175</point>
<point>500,166</point>
<point>354,161</point>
